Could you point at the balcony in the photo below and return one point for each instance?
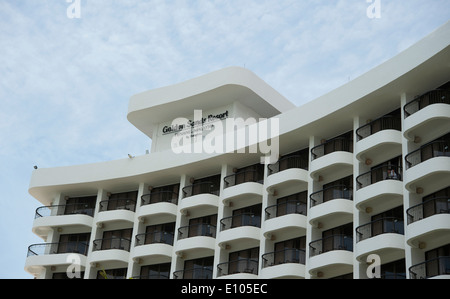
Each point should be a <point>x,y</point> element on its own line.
<point>429,222</point>
<point>196,240</point>
<point>332,205</point>
<point>196,273</point>
<point>290,174</point>
<point>427,115</point>
<point>286,264</point>
<point>429,165</point>
<point>380,188</point>
<point>434,268</point>
<point>285,219</point>
<point>154,246</point>
<point>56,255</point>
<point>118,209</point>
<point>202,196</point>
<point>332,158</point>
<point>379,140</point>
<point>239,269</point>
<point>240,231</point>
<point>384,237</point>
<point>160,206</point>
<point>243,185</point>
<point>113,250</point>
<point>331,256</point>
<point>48,217</point>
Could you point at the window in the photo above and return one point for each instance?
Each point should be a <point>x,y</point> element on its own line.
<point>203,226</point>
<point>74,243</point>
<point>161,233</point>
<point>438,261</point>
<point>201,268</point>
<point>159,271</point>
<point>437,203</point>
<point>290,251</point>
<point>162,194</point>
<point>252,173</point>
<point>122,201</point>
<point>248,216</point>
<point>80,205</point>
<point>338,238</point>
<point>112,274</point>
<point>244,261</point>
<point>117,239</point>
<point>207,185</point>
<point>342,188</point>
<point>388,222</point>
<point>291,204</point>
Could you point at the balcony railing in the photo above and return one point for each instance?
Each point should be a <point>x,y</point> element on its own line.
<point>69,209</point>
<point>333,145</point>
<point>201,188</point>
<point>378,174</point>
<point>285,208</point>
<point>431,268</point>
<point>118,204</point>
<point>380,226</point>
<point>330,243</point>
<point>438,96</point>
<point>197,230</point>
<point>387,122</point>
<point>196,273</point>
<point>249,266</point>
<point>285,256</point>
<point>154,238</point>
<point>159,196</point>
<point>330,193</point>
<point>112,243</point>
<point>294,161</point>
<point>438,148</point>
<point>153,276</point>
<point>58,248</point>
<point>246,219</point>
<point>437,205</point>
<point>243,177</point>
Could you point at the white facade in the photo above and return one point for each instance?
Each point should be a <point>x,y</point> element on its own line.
<point>369,174</point>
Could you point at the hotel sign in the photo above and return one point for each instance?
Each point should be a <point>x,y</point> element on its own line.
<point>191,124</point>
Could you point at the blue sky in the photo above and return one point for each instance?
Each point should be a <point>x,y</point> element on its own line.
<point>65,83</point>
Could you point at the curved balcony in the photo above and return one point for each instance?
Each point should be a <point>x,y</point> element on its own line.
<point>384,237</point>
<point>196,240</point>
<point>285,219</point>
<point>286,264</point>
<point>58,255</point>
<point>242,185</point>
<point>380,189</point>
<point>196,273</point>
<point>429,222</point>
<point>334,157</point>
<point>115,251</point>
<point>116,210</point>
<point>427,113</point>
<point>379,140</point>
<point>331,256</point>
<point>153,247</point>
<point>49,217</point>
<point>238,269</point>
<point>434,268</point>
<point>289,174</point>
<point>428,166</point>
<point>201,204</point>
<point>333,206</point>
<point>240,231</point>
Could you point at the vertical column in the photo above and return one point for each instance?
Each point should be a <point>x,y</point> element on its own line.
<point>312,232</point>
<point>138,228</point>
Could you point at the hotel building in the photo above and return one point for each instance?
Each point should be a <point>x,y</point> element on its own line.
<point>361,182</point>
